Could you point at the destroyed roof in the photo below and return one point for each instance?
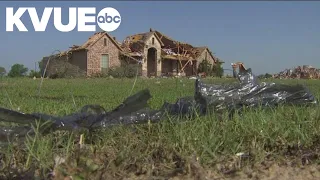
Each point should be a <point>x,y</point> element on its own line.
<point>200,50</point>
<point>187,50</point>
<point>136,42</point>
<point>142,37</point>
<point>171,43</point>
<point>171,49</point>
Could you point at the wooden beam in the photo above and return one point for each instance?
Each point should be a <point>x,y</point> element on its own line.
<point>185,65</point>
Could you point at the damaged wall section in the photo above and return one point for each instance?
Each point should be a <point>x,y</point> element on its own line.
<point>63,65</point>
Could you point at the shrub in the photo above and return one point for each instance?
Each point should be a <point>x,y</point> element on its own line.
<point>2,71</point>
<point>36,74</point>
<point>265,76</point>
<point>217,70</point>
<point>132,70</point>
<point>128,71</point>
<point>205,67</point>
<point>117,72</point>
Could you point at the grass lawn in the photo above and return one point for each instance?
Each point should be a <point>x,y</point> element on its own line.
<point>199,148</point>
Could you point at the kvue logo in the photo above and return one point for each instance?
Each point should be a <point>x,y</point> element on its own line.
<point>108,19</point>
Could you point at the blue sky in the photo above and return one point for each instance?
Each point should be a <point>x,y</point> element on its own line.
<point>267,36</point>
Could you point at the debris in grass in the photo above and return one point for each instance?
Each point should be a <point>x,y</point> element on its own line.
<point>240,154</point>
<point>248,93</point>
<point>303,72</point>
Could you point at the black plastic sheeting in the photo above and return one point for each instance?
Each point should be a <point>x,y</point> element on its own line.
<point>134,110</point>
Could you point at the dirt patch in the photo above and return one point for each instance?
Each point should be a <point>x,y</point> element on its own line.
<point>299,167</point>
<point>288,162</point>
<point>282,172</point>
<point>274,172</point>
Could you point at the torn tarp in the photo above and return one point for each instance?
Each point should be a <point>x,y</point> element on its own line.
<point>134,110</point>
<point>250,93</point>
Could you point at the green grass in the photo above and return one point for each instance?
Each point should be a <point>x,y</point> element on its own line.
<point>150,149</point>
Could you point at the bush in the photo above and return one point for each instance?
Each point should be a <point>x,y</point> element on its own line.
<point>217,70</point>
<point>36,74</point>
<point>265,76</point>
<point>210,70</point>
<point>2,71</point>
<point>205,67</point>
<point>128,71</point>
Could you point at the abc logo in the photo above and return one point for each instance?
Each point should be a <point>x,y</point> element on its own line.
<point>109,19</point>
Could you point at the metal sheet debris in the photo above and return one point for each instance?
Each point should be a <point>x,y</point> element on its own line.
<point>208,98</point>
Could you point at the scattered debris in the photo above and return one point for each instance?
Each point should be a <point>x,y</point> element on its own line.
<point>239,66</point>
<point>240,154</point>
<point>176,57</point>
<point>58,160</point>
<point>134,110</point>
<point>300,72</point>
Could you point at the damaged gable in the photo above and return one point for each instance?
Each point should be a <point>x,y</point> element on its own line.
<point>173,49</point>
<point>202,53</point>
<point>135,44</point>
<point>170,48</point>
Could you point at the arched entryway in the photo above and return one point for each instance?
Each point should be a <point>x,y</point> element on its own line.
<point>152,62</point>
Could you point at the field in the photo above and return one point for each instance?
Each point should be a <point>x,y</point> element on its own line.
<point>264,144</point>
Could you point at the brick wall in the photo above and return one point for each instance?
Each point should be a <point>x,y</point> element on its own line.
<point>61,67</point>
<point>95,52</point>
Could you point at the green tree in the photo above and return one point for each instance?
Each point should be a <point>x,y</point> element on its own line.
<point>261,76</point>
<point>17,70</point>
<point>34,73</point>
<point>267,75</point>
<point>217,70</point>
<point>2,71</point>
<point>41,66</point>
<point>205,67</point>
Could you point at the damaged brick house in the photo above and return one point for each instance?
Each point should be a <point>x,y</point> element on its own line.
<point>100,52</point>
<point>161,55</point>
<point>158,54</point>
